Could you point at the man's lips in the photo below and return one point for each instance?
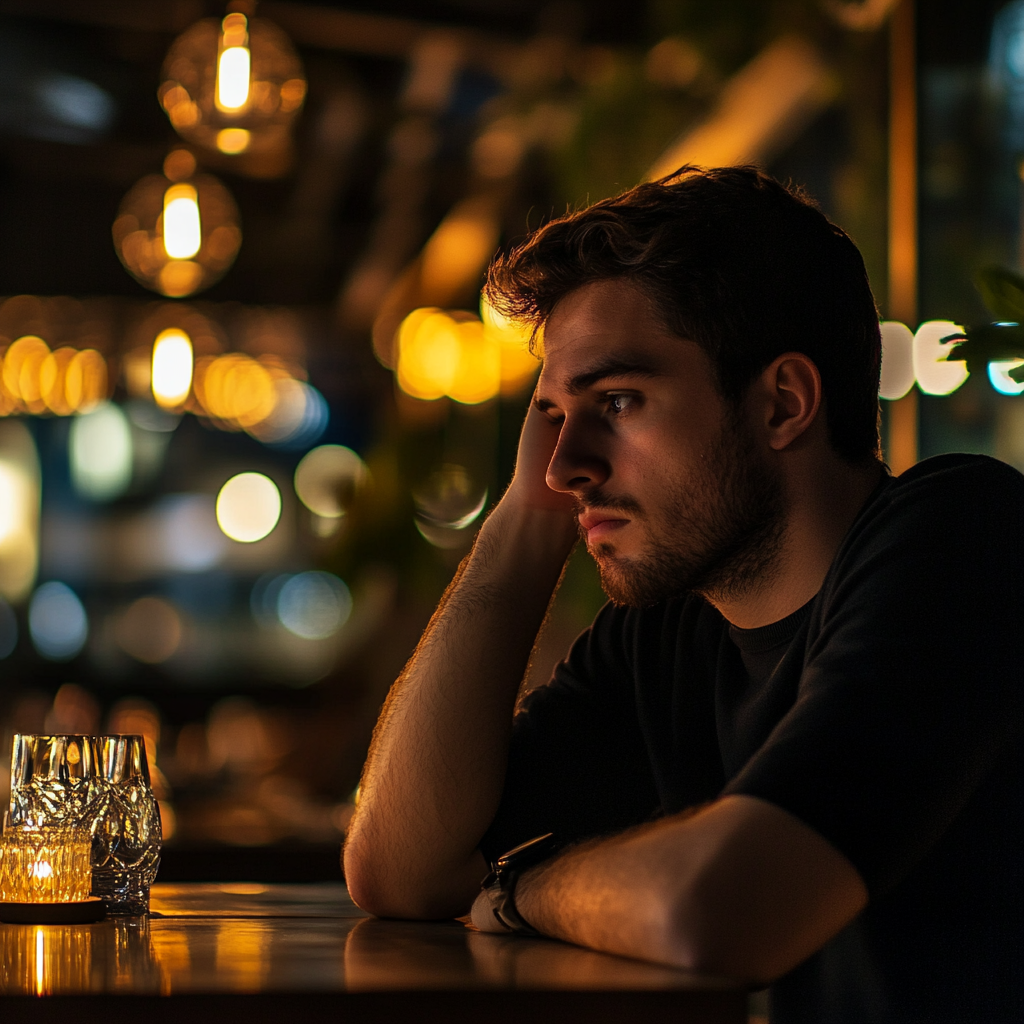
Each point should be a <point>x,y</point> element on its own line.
<point>599,525</point>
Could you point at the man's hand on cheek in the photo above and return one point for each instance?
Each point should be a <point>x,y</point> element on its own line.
<point>536,448</point>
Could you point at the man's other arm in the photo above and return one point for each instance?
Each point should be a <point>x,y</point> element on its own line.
<point>434,776</point>
<point>742,889</point>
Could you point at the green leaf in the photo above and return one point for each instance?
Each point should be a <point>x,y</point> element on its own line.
<point>1002,291</point>
<point>985,343</point>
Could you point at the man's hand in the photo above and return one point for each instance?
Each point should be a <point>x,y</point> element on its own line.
<point>536,446</point>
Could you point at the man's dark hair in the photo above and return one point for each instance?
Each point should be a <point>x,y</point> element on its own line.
<point>731,259</point>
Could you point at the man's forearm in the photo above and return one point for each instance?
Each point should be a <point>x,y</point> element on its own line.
<point>741,888</point>
<point>436,767</point>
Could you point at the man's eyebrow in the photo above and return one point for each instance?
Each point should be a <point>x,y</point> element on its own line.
<point>579,382</point>
<point>611,367</point>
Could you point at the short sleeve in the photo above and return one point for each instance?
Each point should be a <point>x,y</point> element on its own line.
<point>578,765</point>
<point>912,685</point>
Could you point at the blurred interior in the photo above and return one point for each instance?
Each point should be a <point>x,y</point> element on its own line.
<point>251,409</point>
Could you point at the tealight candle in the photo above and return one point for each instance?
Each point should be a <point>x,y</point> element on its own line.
<point>45,865</point>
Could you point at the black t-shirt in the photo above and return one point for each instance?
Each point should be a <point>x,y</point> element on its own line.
<point>886,714</point>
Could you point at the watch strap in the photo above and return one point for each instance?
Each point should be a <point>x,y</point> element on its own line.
<point>500,883</point>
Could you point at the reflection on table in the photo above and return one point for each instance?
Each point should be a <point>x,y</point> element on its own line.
<point>310,940</point>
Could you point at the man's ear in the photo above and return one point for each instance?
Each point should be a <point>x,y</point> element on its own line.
<point>790,387</point>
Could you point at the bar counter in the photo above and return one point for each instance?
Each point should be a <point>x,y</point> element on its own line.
<point>253,952</point>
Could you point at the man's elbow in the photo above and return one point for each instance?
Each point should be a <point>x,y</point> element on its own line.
<point>370,886</point>
<point>384,890</point>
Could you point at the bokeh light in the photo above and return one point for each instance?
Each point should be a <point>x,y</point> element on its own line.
<point>182,228</point>
<point>519,365</point>
<point>248,507</point>
<point>36,380</point>
<point>171,374</point>
<point>328,478</point>
<point>897,360</point>
<point>299,417</point>
<point>313,605</point>
<point>100,450</point>
<point>235,389</point>
<point>450,354</point>
<point>936,376</point>
<point>57,621</point>
<point>19,510</point>
<point>22,363</point>
<point>189,536</point>
<point>149,629</point>
<point>177,232</point>
<point>447,503</point>
<point>232,90</point>
<point>234,85</point>
<point>457,354</point>
<point>999,375</point>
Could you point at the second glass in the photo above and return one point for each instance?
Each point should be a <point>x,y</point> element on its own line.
<point>124,819</point>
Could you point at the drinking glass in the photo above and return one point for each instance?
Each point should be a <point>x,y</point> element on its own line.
<point>53,779</point>
<point>99,784</point>
<point>124,820</point>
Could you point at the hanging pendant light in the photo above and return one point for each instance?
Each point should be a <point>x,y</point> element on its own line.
<point>177,232</point>
<point>233,86</point>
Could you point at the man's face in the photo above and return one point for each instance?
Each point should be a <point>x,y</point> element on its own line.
<point>674,489</point>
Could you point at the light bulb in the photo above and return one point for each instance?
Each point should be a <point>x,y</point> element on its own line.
<point>177,232</point>
<point>172,368</point>
<point>233,64</point>
<point>183,233</point>
<point>235,86</point>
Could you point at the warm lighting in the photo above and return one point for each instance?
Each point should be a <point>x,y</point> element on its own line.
<point>36,380</point>
<point>459,250</point>
<point>23,361</point>
<point>57,621</point>
<point>233,140</point>
<point>233,86</point>
<point>171,374</point>
<point>45,865</point>
<point>299,416</point>
<point>177,232</point>
<point>897,360</point>
<point>182,230</point>
<point>936,376</point>
<point>19,511</point>
<point>759,109</point>
<point>519,365</point>
<point>236,389</point>
<point>442,353</point>
<point>233,64</point>
<point>998,374</point>
<point>100,450</point>
<point>150,630</point>
<point>248,507</point>
<point>328,478</point>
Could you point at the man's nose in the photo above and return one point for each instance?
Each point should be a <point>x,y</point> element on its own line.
<point>577,464</point>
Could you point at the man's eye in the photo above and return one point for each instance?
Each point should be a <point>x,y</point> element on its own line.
<point>619,403</point>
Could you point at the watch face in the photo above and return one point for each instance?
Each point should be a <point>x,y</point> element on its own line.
<point>529,852</point>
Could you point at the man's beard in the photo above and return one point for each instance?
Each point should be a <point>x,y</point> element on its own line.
<point>719,534</point>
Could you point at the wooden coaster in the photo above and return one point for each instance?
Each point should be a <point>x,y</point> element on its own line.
<point>80,912</point>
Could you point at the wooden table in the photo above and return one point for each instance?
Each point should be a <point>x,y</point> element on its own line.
<point>300,953</point>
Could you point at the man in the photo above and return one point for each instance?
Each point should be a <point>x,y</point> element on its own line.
<point>789,749</point>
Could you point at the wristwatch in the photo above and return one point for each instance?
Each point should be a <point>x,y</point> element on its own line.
<point>500,884</point>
